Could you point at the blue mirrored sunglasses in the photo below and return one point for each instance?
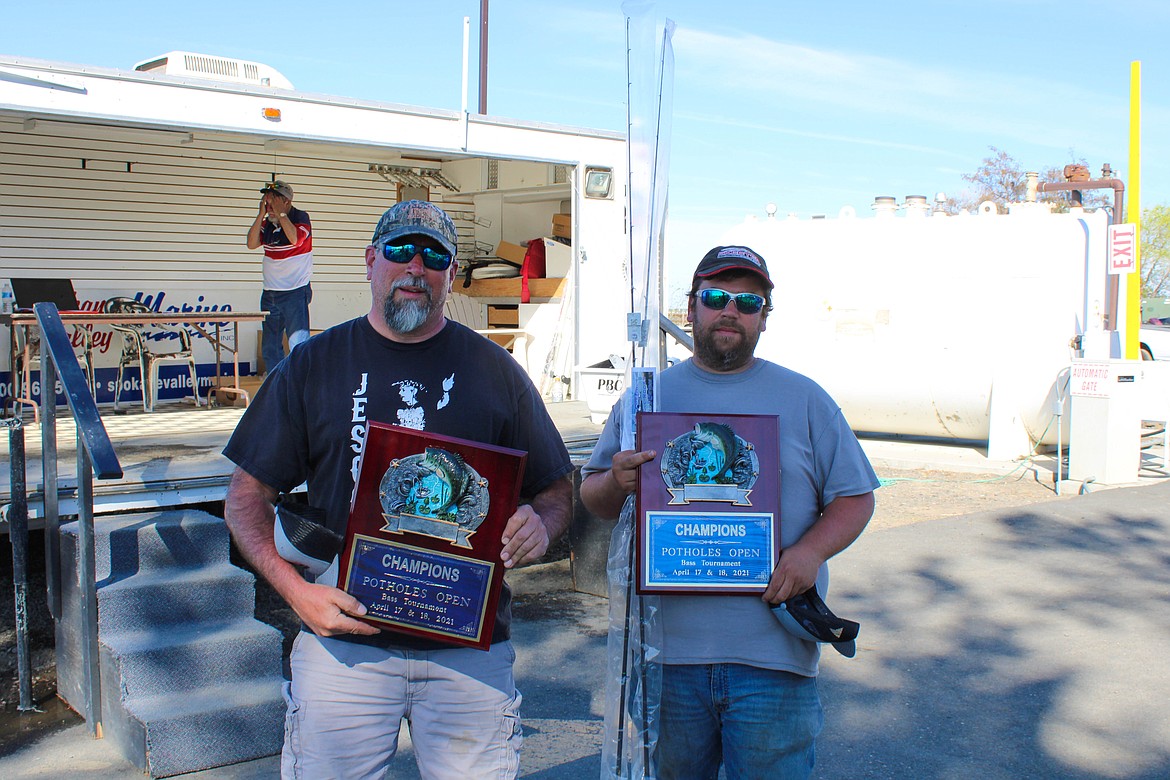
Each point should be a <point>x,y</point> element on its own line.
<point>747,303</point>
<point>434,259</point>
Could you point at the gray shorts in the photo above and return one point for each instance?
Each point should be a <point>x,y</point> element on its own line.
<point>346,702</point>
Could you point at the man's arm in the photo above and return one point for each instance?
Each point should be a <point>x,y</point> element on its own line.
<point>535,525</point>
<point>249,516</point>
<point>604,492</point>
<point>253,239</point>
<point>838,526</point>
<point>290,228</point>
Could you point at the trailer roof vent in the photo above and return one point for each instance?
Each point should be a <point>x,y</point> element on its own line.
<point>206,66</point>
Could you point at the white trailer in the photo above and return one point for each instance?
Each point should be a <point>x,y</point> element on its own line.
<point>143,183</point>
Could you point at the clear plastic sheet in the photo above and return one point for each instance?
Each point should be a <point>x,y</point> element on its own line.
<point>634,673</point>
<point>634,676</point>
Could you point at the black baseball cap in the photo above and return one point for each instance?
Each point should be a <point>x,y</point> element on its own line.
<point>728,258</point>
<point>806,617</point>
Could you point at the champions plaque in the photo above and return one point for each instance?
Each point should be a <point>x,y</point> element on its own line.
<point>422,548</point>
<point>709,503</point>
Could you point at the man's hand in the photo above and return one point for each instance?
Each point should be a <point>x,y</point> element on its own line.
<point>625,468</point>
<point>604,492</point>
<point>327,610</point>
<point>248,512</point>
<point>794,574</point>
<point>837,527</point>
<point>525,537</point>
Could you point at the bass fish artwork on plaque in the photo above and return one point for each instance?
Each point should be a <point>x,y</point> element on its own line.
<point>422,546</point>
<point>709,504</point>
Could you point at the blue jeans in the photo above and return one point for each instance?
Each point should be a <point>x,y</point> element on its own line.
<point>288,312</point>
<point>760,724</point>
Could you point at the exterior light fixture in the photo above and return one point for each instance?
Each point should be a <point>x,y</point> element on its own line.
<point>271,114</point>
<point>598,182</point>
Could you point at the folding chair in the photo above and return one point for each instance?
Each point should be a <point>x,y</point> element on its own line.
<point>135,349</point>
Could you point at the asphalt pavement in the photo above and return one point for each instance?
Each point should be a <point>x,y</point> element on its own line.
<point>1027,642</point>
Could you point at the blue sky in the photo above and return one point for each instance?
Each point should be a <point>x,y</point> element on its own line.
<point>812,106</point>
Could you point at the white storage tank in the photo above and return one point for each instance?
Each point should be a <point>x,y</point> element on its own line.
<point>946,327</point>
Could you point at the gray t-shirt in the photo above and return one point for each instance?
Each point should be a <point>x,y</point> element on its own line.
<point>820,460</point>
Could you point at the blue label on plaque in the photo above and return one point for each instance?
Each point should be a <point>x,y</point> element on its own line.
<point>416,588</point>
<point>723,551</point>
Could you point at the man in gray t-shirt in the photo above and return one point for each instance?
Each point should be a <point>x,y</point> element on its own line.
<point>737,688</point>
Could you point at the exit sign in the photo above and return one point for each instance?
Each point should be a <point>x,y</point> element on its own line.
<point>1122,249</point>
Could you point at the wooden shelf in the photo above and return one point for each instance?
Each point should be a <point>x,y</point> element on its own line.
<point>539,289</point>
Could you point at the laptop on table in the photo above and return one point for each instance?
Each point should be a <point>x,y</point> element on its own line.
<point>27,292</point>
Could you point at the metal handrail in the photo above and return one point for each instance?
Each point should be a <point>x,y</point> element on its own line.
<point>95,456</point>
<point>17,514</point>
<point>669,328</point>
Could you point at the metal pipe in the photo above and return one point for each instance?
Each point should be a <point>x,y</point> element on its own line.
<point>87,582</point>
<point>49,475</point>
<point>18,534</point>
<point>463,92</point>
<point>668,327</point>
<point>483,55</point>
<point>1118,187</point>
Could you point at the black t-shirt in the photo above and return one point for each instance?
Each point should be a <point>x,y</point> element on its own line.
<point>308,421</point>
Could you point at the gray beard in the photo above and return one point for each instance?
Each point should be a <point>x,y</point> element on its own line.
<point>409,315</point>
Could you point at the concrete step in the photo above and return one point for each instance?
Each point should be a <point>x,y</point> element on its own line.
<point>125,545</point>
<point>177,733</point>
<point>189,679</point>
<point>158,598</point>
<point>178,659</point>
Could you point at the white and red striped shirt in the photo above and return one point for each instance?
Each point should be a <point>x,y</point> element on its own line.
<point>287,264</point>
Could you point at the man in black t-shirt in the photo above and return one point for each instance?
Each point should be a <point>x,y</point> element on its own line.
<point>402,363</point>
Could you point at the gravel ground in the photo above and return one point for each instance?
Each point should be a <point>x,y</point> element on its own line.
<point>906,496</point>
<point>913,496</point>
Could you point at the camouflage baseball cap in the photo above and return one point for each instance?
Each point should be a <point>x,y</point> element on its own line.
<point>279,187</point>
<point>417,217</point>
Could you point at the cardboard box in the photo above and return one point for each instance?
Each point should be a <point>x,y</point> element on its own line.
<point>562,225</point>
<point>558,258</point>
<point>513,253</point>
<point>225,395</point>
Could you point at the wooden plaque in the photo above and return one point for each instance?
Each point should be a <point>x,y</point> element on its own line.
<point>422,547</point>
<point>709,503</point>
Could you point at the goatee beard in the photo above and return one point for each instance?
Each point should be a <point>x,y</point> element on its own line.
<point>409,315</point>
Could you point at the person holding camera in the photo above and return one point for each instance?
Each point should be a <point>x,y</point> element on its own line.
<point>286,235</point>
